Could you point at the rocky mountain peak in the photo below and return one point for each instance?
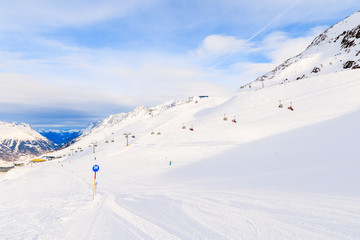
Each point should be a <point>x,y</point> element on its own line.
<point>336,49</point>
<point>19,141</point>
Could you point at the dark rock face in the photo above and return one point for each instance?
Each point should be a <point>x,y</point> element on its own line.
<point>11,150</point>
<point>336,49</point>
<point>350,36</point>
<point>349,64</point>
<point>315,70</point>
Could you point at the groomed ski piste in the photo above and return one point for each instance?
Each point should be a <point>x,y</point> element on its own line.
<point>274,174</point>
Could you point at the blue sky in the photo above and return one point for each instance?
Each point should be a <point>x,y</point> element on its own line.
<point>64,64</point>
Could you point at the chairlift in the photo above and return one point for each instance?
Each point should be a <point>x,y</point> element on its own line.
<point>112,140</point>
<point>225,117</point>
<point>106,141</point>
<point>152,133</point>
<point>290,107</point>
<point>234,120</point>
<point>280,104</point>
<point>158,133</point>
<point>183,127</point>
<point>133,136</point>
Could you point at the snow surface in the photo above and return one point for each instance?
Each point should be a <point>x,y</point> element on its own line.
<point>275,174</point>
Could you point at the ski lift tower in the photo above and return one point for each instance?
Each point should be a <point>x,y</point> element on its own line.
<point>94,144</point>
<point>127,138</point>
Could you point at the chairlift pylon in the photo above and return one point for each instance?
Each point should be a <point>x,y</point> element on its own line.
<point>280,104</point>
<point>234,120</point>
<point>290,107</point>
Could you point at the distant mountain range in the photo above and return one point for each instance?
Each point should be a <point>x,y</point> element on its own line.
<point>60,137</point>
<point>19,141</point>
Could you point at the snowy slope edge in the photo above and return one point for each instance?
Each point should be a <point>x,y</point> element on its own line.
<point>336,49</point>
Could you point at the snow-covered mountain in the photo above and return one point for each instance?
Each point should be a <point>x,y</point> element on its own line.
<point>336,49</point>
<point>103,129</point>
<point>18,141</point>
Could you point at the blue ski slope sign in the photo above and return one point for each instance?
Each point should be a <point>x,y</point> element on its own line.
<point>96,168</point>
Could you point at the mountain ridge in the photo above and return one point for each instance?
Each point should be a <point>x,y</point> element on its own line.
<point>336,49</point>
<point>19,141</point>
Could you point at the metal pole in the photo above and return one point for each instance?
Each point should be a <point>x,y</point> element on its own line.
<point>94,186</point>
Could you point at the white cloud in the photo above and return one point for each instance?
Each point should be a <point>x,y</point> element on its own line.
<point>217,45</point>
<point>99,77</point>
<point>279,46</point>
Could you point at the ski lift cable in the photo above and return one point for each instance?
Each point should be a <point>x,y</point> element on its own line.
<point>266,105</point>
<point>267,108</point>
<point>299,98</point>
<point>336,90</point>
<point>322,89</point>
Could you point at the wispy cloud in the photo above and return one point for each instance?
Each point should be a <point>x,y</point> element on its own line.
<point>19,14</point>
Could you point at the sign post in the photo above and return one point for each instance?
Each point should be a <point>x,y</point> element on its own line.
<point>95,169</point>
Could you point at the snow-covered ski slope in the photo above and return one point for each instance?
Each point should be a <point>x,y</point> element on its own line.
<point>274,174</point>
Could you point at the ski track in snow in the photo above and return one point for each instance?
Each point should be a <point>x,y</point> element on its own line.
<point>275,174</point>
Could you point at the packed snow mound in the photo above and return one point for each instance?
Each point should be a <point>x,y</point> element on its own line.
<point>336,49</point>
<point>18,141</point>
